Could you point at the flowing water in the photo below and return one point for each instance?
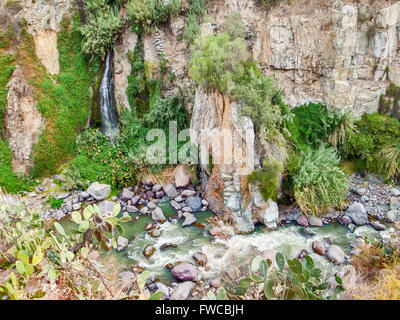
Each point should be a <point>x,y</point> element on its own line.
<point>108,113</point>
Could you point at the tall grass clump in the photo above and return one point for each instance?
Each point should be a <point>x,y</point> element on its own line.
<point>318,182</point>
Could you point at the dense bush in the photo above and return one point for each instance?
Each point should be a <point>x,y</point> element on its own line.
<point>146,15</point>
<point>268,178</point>
<point>389,102</point>
<point>103,26</point>
<point>217,62</point>
<point>377,133</point>
<point>318,182</point>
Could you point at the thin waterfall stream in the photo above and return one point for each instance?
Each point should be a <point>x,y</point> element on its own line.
<point>108,112</point>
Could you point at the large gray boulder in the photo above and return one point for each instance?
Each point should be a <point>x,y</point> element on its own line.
<point>186,272</point>
<point>182,291</point>
<point>158,215</point>
<point>194,203</point>
<point>336,254</point>
<point>126,195</point>
<point>170,191</point>
<point>189,220</point>
<point>357,213</point>
<point>271,215</point>
<point>106,207</point>
<point>99,191</point>
<point>182,179</point>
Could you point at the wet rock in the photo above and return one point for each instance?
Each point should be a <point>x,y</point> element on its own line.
<point>188,193</point>
<point>378,226</point>
<point>302,254</point>
<point>131,209</point>
<point>200,258</point>
<point>99,191</point>
<point>357,213</point>
<point>63,196</point>
<point>182,179</point>
<point>160,194</point>
<point>393,216</point>
<point>351,227</point>
<point>151,205</point>
<point>215,231</point>
<point>164,289</point>
<point>158,215</point>
<point>135,200</point>
<point>186,272</point>
<point>166,246</point>
<point>106,207</point>
<point>318,247</point>
<point>182,291</point>
<point>187,209</point>
<point>204,203</point>
<point>306,232</point>
<point>122,243</point>
<point>148,251</point>
<point>156,188</point>
<point>204,209</point>
<point>194,202</point>
<point>170,191</point>
<point>302,220</point>
<point>126,195</point>
<point>336,254</point>
<point>315,221</point>
<point>177,206</point>
<point>145,211</point>
<point>189,220</point>
<point>291,216</point>
<point>148,227</point>
<point>271,215</point>
<point>155,233</point>
<point>178,199</point>
<point>344,220</point>
<point>83,196</point>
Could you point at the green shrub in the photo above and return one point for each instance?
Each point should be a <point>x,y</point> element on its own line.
<point>318,182</point>
<point>198,10</point>
<point>389,102</point>
<point>218,62</point>
<point>235,27</point>
<point>103,26</point>
<point>149,14</point>
<point>345,127</point>
<point>268,4</point>
<point>312,124</point>
<point>268,178</point>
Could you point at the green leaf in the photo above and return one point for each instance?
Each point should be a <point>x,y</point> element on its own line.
<point>240,291</point>
<point>20,267</point>
<point>112,220</point>
<point>142,278</point>
<point>268,288</point>
<point>29,269</point>
<point>211,295</point>
<point>315,273</point>
<point>23,256</point>
<point>338,280</point>
<point>88,212</point>
<point>323,286</point>
<point>280,261</point>
<point>244,283</point>
<point>76,217</point>
<point>117,210</point>
<point>125,219</point>
<point>52,273</point>
<point>221,294</point>
<point>339,290</point>
<point>256,278</point>
<point>59,228</point>
<point>306,275</point>
<point>37,257</point>
<point>156,296</point>
<point>255,264</point>
<point>295,265</point>
<point>263,269</point>
<point>309,263</point>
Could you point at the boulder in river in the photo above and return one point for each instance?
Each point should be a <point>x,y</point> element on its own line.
<point>357,213</point>
<point>99,191</point>
<point>377,226</point>
<point>194,203</point>
<point>170,191</point>
<point>186,272</point>
<point>345,220</point>
<point>177,206</point>
<point>182,291</point>
<point>188,193</point>
<point>302,220</point>
<point>126,195</point>
<point>271,215</point>
<point>200,258</point>
<point>336,254</point>
<point>189,220</point>
<point>156,188</point>
<point>215,231</point>
<point>131,209</point>
<point>315,221</point>
<point>122,243</point>
<point>148,251</point>
<point>318,247</point>
<point>106,207</point>
<point>182,179</point>
<point>157,214</point>
<point>165,246</point>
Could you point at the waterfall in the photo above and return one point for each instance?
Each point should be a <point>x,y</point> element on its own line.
<point>108,113</point>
